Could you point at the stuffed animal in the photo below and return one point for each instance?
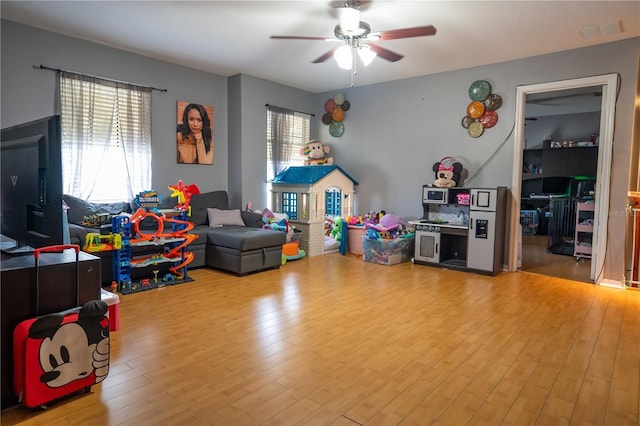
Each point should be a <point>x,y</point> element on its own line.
<point>355,220</point>
<point>447,177</point>
<point>391,220</point>
<point>313,153</point>
<point>336,231</point>
<point>388,223</point>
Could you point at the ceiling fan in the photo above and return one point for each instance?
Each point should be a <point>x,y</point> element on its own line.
<point>358,38</point>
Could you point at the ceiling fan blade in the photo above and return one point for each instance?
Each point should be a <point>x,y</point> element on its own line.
<point>325,56</point>
<point>407,33</point>
<point>301,38</point>
<point>385,53</point>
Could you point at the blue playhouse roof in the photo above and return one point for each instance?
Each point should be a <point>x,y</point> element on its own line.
<point>307,175</point>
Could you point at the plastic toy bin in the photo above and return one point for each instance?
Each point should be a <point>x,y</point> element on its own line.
<point>387,252</point>
<point>529,220</point>
<point>354,238</point>
<point>290,247</point>
<point>113,302</point>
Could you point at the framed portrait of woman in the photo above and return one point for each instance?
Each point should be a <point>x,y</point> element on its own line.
<point>194,133</point>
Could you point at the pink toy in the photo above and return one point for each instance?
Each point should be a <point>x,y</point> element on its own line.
<point>387,223</point>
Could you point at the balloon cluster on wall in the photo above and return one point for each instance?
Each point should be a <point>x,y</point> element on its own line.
<point>334,114</point>
<point>481,111</point>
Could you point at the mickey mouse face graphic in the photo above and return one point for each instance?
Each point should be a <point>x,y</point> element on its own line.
<point>73,350</point>
<point>66,356</point>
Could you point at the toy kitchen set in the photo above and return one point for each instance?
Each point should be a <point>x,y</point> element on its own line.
<point>462,228</point>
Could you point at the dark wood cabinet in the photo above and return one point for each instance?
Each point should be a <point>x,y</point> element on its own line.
<point>57,293</point>
<point>583,161</point>
<point>554,162</point>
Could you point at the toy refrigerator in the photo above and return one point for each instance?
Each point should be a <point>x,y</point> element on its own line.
<point>485,250</point>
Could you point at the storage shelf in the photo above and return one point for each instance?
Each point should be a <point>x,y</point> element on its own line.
<point>584,231</point>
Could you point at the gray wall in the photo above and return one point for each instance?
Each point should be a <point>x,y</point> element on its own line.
<point>235,141</point>
<point>394,132</point>
<point>564,127</point>
<point>28,94</point>
<point>254,93</point>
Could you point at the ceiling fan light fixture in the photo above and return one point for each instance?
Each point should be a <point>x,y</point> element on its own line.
<point>343,57</point>
<point>349,20</point>
<point>366,55</point>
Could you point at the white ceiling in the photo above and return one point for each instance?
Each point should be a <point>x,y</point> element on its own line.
<point>231,37</point>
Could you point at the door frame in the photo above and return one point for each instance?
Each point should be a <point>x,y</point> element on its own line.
<point>609,84</point>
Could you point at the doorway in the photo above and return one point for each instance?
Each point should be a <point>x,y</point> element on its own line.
<point>607,84</point>
<point>558,176</point>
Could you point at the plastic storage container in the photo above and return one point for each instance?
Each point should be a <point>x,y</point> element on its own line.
<point>290,248</point>
<point>113,302</point>
<point>354,238</point>
<point>529,220</point>
<point>387,252</point>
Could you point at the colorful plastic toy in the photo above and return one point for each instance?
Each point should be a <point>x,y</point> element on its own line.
<point>183,193</point>
<point>95,242</point>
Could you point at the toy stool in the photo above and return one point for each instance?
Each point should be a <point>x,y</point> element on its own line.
<point>113,302</point>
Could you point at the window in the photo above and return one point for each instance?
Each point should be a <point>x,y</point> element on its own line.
<point>332,203</point>
<point>106,138</point>
<point>287,133</point>
<point>290,204</point>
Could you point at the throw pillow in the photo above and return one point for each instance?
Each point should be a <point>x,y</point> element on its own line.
<point>252,219</point>
<point>201,202</point>
<point>219,217</point>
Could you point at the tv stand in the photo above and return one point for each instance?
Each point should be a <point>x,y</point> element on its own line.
<point>11,247</point>
<point>18,250</point>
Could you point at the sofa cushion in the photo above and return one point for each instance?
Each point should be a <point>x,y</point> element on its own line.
<point>77,234</point>
<point>201,202</point>
<point>79,208</point>
<point>244,238</point>
<point>219,217</point>
<point>201,231</point>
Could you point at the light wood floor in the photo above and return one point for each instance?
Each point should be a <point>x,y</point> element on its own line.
<point>334,340</point>
<point>535,258</point>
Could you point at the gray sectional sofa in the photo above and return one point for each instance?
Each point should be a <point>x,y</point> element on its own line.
<point>235,243</point>
<point>241,248</point>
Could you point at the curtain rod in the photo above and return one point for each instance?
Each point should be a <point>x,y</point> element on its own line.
<point>300,112</point>
<point>42,67</point>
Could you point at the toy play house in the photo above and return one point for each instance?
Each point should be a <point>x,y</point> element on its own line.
<point>309,193</point>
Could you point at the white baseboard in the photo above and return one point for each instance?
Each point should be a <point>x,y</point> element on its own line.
<point>612,283</point>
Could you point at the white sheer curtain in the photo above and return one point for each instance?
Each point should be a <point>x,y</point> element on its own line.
<point>106,138</point>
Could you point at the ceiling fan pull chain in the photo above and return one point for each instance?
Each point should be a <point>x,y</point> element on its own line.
<point>354,64</point>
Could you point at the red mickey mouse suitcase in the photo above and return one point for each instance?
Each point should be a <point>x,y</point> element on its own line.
<point>58,354</point>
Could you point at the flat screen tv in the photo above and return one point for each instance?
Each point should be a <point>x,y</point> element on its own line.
<point>31,184</point>
<point>558,185</point>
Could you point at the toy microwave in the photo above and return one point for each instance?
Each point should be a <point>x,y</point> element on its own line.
<point>435,195</point>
